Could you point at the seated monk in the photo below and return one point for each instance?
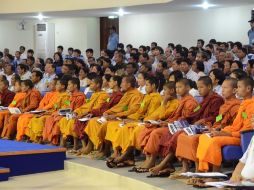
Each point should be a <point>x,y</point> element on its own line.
<point>16,102</point>
<point>29,103</point>
<point>60,101</point>
<point>67,127</point>
<point>204,114</point>
<point>123,140</point>
<point>51,132</point>
<point>153,144</point>
<point>92,130</point>
<point>6,96</point>
<point>24,119</point>
<point>129,104</point>
<point>209,148</point>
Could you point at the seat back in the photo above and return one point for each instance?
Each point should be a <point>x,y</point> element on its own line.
<point>246,137</point>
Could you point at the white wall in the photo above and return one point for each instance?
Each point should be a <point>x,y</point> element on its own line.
<point>81,33</point>
<point>223,24</point>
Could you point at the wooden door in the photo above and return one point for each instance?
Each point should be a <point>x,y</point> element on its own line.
<point>105,24</point>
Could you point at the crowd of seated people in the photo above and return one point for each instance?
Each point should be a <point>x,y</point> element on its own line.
<point>130,102</point>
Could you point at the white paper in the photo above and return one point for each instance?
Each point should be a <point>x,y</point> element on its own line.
<point>221,184</point>
<point>37,111</point>
<point>14,110</point>
<point>153,122</point>
<point>84,119</point>
<point>208,174</point>
<point>121,125</point>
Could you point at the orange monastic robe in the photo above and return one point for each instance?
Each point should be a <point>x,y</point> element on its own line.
<point>125,135</point>
<point>68,128</point>
<point>129,104</point>
<point>159,136</point>
<point>16,102</point>
<point>51,130</point>
<point>36,124</point>
<point>209,149</point>
<point>162,113</point>
<point>24,119</point>
<point>29,103</point>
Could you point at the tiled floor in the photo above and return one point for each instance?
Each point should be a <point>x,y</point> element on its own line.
<point>83,173</point>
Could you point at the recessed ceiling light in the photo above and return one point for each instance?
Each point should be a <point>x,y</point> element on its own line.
<point>205,5</point>
<point>112,17</point>
<point>120,12</point>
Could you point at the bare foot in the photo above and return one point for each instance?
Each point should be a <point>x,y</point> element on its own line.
<point>157,169</point>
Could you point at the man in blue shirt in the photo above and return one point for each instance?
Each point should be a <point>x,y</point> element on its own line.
<point>251,31</point>
<point>113,40</point>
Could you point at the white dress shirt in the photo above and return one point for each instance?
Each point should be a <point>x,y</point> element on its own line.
<point>192,75</point>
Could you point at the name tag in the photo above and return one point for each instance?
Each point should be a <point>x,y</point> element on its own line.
<point>244,115</point>
<point>197,108</point>
<point>219,118</point>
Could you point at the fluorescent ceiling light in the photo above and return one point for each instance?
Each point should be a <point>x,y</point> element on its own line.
<point>40,17</point>
<point>112,17</point>
<point>205,5</point>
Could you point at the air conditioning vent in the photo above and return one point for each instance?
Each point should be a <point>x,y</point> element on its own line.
<point>41,27</point>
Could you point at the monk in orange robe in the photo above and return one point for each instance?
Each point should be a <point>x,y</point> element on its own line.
<point>45,104</point>
<point>51,132</point>
<point>204,114</point>
<point>17,101</point>
<point>60,101</point>
<point>68,127</point>
<point>209,149</point>
<point>123,142</point>
<point>153,144</point>
<point>91,130</point>
<point>30,102</point>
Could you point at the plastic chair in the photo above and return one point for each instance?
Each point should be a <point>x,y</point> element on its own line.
<point>232,153</point>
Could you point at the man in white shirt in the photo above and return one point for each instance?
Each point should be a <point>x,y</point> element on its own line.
<point>49,75</point>
<point>37,80</point>
<point>185,68</point>
<point>242,56</point>
<point>8,72</point>
<point>22,50</point>
<point>23,71</point>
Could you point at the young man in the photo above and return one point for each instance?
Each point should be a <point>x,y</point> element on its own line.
<point>209,149</point>
<point>16,102</point>
<point>157,138</point>
<point>122,137</point>
<point>37,81</point>
<point>185,67</point>
<point>29,103</point>
<point>67,127</point>
<point>205,114</point>
<point>6,96</point>
<point>92,130</point>
<point>51,132</point>
<point>45,104</point>
<point>60,101</point>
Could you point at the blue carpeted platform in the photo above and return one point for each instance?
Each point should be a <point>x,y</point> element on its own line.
<point>27,158</point>
<point>4,174</point>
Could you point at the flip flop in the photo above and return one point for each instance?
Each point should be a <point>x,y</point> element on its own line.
<point>142,170</point>
<point>111,164</point>
<point>160,174</point>
<point>126,163</point>
<point>134,169</point>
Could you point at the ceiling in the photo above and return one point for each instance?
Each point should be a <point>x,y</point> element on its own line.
<point>149,7</point>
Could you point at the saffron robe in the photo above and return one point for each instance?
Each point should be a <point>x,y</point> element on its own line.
<point>36,124</point>
<point>128,104</point>
<point>67,127</point>
<point>29,103</point>
<point>24,119</point>
<point>209,149</point>
<point>51,130</point>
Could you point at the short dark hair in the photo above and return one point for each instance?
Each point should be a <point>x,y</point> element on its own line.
<point>30,51</point>
<point>38,74</point>
<point>153,81</point>
<point>75,81</point>
<point>6,82</point>
<point>206,80</point>
<point>219,75</point>
<point>131,80</point>
<point>239,73</point>
<point>251,63</point>
<point>89,50</point>
<point>177,74</point>
<point>98,80</point>
<point>170,85</point>
<point>23,67</point>
<point>233,81</point>
<point>201,41</point>
<point>200,66</point>
<point>77,51</point>
<point>186,60</point>
<point>118,79</point>
<point>31,59</point>
<point>60,47</point>
<point>70,49</point>
<point>28,83</point>
<point>248,81</point>
<point>239,63</point>
<point>184,81</point>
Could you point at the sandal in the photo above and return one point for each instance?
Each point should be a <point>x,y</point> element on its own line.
<point>111,164</point>
<point>163,173</point>
<point>134,169</point>
<point>126,163</point>
<point>142,170</point>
